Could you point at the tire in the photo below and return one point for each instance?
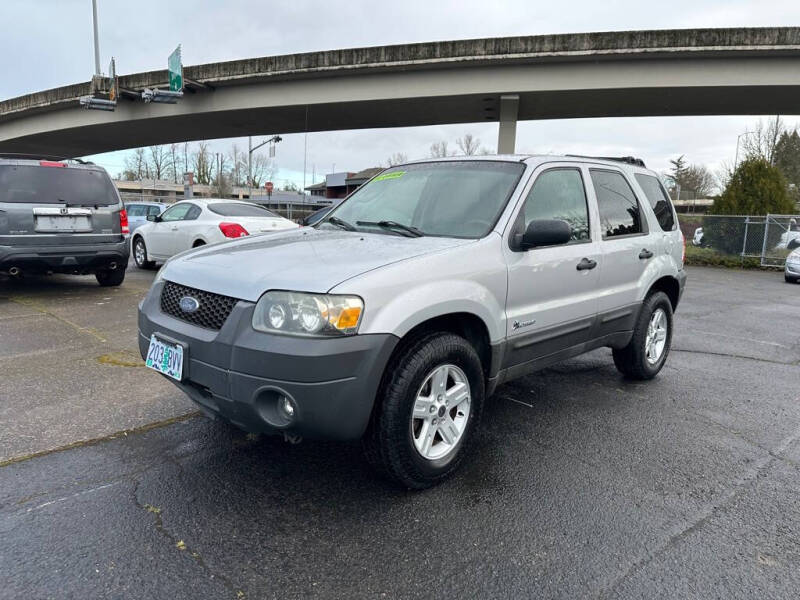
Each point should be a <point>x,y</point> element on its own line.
<point>140,258</point>
<point>198,243</point>
<point>389,444</point>
<point>790,279</point>
<point>110,278</point>
<point>632,360</point>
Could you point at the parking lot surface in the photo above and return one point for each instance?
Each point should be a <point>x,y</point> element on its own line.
<point>582,484</point>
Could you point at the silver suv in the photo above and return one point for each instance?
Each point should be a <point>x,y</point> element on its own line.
<point>409,303</point>
<point>61,216</point>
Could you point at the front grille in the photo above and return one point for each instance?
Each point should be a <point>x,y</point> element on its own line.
<point>212,312</point>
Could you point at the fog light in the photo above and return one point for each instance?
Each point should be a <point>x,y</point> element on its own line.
<point>286,406</point>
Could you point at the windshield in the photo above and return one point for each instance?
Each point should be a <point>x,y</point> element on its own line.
<point>235,209</point>
<point>54,185</point>
<point>450,199</point>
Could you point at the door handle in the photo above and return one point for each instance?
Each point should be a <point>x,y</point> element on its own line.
<point>645,254</point>
<point>174,229</point>
<point>586,264</point>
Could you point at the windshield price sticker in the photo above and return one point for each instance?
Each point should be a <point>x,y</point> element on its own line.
<point>387,176</point>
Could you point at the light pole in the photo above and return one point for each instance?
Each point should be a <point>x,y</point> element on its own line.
<point>738,137</point>
<point>96,40</point>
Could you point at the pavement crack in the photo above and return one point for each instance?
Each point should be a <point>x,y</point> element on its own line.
<point>704,516</point>
<point>728,355</point>
<point>178,543</point>
<point>40,308</point>
<point>98,440</point>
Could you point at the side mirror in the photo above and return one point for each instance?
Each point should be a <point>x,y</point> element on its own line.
<point>153,218</point>
<point>545,232</point>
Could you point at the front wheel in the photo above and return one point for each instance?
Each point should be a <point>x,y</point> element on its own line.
<point>791,279</point>
<point>140,254</point>
<point>428,409</point>
<point>647,351</point>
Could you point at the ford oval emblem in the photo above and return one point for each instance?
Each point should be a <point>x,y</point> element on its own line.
<point>189,304</point>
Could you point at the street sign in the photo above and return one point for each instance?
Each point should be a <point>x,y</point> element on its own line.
<point>175,70</point>
<point>269,187</point>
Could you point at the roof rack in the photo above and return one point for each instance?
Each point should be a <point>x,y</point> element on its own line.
<point>30,156</point>
<point>630,160</point>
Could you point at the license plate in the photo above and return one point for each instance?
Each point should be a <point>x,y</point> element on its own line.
<point>165,358</point>
<point>68,223</point>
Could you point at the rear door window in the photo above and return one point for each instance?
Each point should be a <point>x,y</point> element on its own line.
<point>658,199</point>
<point>55,185</point>
<point>620,213</point>
<point>154,210</point>
<point>135,210</point>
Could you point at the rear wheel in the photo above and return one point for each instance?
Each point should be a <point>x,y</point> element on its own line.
<point>647,351</point>
<point>428,409</point>
<point>110,278</point>
<point>198,243</point>
<point>140,254</point>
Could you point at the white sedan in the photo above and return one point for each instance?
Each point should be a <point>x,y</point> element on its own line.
<point>197,222</point>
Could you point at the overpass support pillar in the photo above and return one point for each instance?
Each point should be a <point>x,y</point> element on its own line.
<point>507,133</point>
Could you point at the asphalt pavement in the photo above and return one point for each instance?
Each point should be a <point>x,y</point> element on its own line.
<point>581,484</point>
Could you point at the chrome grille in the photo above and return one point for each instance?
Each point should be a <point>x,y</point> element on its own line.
<point>212,312</point>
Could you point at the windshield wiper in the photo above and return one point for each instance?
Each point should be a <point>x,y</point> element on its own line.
<point>394,226</point>
<point>341,223</point>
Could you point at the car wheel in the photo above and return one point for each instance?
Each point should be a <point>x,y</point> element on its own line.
<point>647,351</point>
<point>427,411</point>
<point>198,243</point>
<point>790,279</point>
<point>140,254</point>
<point>110,278</point>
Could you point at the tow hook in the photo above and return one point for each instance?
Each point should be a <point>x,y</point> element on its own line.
<point>292,439</point>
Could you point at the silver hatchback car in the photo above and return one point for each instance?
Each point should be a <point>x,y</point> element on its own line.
<point>394,318</point>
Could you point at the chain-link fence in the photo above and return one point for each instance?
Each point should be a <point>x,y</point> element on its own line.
<point>767,239</point>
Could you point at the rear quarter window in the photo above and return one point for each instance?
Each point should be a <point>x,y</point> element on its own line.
<point>234,209</point>
<point>658,199</point>
<point>30,184</point>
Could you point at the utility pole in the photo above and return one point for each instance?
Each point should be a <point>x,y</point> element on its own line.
<point>96,40</point>
<point>250,149</point>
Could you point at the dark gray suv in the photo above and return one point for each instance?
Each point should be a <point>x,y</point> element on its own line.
<point>61,216</point>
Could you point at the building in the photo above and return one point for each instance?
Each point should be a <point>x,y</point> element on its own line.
<point>339,185</point>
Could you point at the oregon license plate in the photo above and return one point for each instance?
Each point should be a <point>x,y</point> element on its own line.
<point>165,358</point>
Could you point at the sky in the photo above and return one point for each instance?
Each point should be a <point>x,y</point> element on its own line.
<point>51,45</point>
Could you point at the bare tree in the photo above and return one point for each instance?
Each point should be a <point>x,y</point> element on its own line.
<point>238,161</point>
<point>158,160</point>
<point>397,158</point>
<point>202,164</point>
<point>136,167</point>
<point>764,138</point>
<point>724,174</point>
<point>439,150</point>
<point>263,170</point>
<point>468,144</point>
<point>173,168</point>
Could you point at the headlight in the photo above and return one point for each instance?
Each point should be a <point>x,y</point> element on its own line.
<point>793,258</point>
<point>160,275</point>
<point>298,313</point>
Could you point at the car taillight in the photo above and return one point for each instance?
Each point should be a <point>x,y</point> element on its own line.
<point>232,230</point>
<point>51,163</point>
<point>123,221</point>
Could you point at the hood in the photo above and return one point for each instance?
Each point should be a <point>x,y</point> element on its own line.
<point>306,260</point>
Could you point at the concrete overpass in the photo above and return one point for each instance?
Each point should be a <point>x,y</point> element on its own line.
<point>635,73</point>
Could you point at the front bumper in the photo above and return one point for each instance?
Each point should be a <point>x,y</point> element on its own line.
<point>793,269</point>
<point>75,258</point>
<point>238,373</point>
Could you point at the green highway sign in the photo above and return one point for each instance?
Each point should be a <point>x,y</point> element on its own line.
<point>175,70</point>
